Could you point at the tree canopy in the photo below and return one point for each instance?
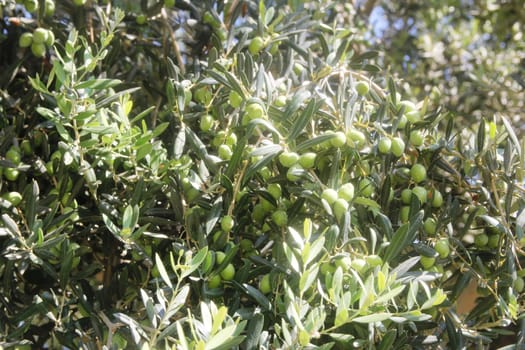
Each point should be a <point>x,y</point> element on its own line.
<point>261,174</point>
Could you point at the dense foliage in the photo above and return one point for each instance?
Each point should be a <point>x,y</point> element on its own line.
<point>242,174</point>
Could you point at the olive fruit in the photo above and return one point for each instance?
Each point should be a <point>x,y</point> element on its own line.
<point>227,223</point>
<point>206,122</point>
<point>355,138</point>
<point>362,88</point>
<point>214,281</point>
<point>13,154</point>
<point>427,261</point>
<point>481,240</point>
<point>329,195</point>
<point>39,50</point>
<point>254,110</point>
<point>264,284</point>
<point>346,192</point>
<point>366,187</point>
<point>256,45</point>
<point>430,226</point>
<point>437,199</point>
<point>398,146</point>
<point>31,5</point>
<point>49,8</point>
<point>287,159</point>
<point>225,152</point>
<point>373,260</point>
<point>141,19</point>
<point>235,99</point>
<point>280,218</point>
<point>406,196</point>
<point>228,273</point>
<point>416,138</point>
<point>307,160</point>
<point>404,213</point>
<point>339,140</point>
<point>421,193</point>
<point>340,208</point>
<point>11,174</point>
<point>25,40</point>
<point>275,191</point>
<point>442,248</point>
<point>40,35</point>
<point>418,173</point>
<point>13,197</point>
<point>384,145</point>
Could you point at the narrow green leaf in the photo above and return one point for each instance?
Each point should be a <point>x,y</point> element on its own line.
<point>376,317</point>
<point>404,236</point>
<point>196,261</point>
<point>253,333</point>
<point>113,97</point>
<point>98,84</point>
<point>256,294</point>
<point>302,121</point>
<point>162,270</point>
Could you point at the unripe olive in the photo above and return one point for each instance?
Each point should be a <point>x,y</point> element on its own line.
<point>442,248</point>
<point>481,240</point>
<point>275,191</point>
<point>307,160</point>
<point>362,88</point>
<point>427,262</point>
<point>418,173</point>
<point>355,138</point>
<point>406,196</point>
<point>13,197</point>
<point>293,172</point>
<point>330,195</point>
<point>366,187</point>
<point>227,223</point>
<point>225,152</point>
<point>40,35</point>
<point>280,218</point>
<point>206,122</point>
<point>254,111</point>
<point>346,192</point>
<point>50,38</point>
<point>141,19</point>
<point>430,226</point>
<point>39,50</point>
<point>264,284</point>
<point>493,241</point>
<point>214,282</point>
<point>287,158</point>
<point>228,273</point>
<point>25,40</point>
<point>11,174</point>
<point>339,140</point>
<point>31,5</point>
<point>384,145</point>
<point>340,208</point>
<point>235,99</point>
<point>374,260</point>
<point>398,146</point>
<point>49,8</point>
<point>421,193</point>
<point>416,138</point>
<point>403,213</point>
<point>437,199</point>
<point>256,45</point>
